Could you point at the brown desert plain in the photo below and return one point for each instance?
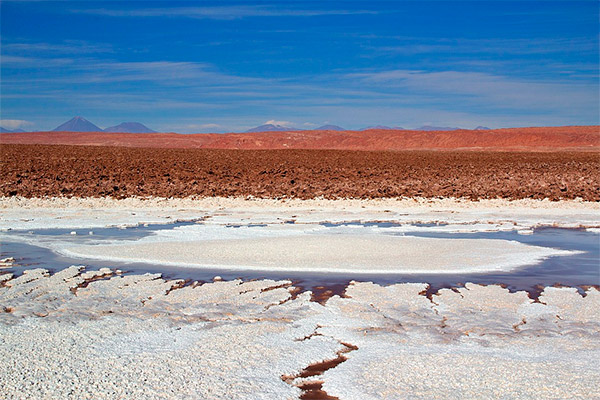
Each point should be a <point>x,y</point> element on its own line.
<point>519,139</point>
<point>554,163</point>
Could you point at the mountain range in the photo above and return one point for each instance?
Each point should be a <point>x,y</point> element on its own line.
<point>382,127</point>
<point>330,128</point>
<point>271,128</point>
<point>437,128</point>
<point>4,130</point>
<point>274,128</point>
<point>281,128</point>
<point>80,124</point>
<point>77,124</point>
<point>129,127</point>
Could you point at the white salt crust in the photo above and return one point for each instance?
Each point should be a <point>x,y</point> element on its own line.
<point>85,334</point>
<point>367,253</point>
<point>23,214</point>
<point>91,334</point>
<point>279,245</point>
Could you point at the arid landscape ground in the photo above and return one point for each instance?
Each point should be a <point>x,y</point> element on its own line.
<point>114,246</point>
<point>309,200</point>
<point>562,163</point>
<point>522,139</point>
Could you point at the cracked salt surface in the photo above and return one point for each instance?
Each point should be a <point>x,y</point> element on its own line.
<point>66,335</point>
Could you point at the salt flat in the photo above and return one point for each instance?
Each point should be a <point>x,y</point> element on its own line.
<point>330,253</point>
<point>80,333</point>
<point>263,239</point>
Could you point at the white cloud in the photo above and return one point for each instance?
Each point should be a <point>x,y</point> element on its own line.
<point>419,45</point>
<point>453,97</point>
<point>485,89</point>
<point>34,62</point>
<point>282,123</point>
<point>14,123</point>
<point>66,47</point>
<point>219,12</point>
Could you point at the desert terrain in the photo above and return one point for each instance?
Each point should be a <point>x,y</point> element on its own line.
<point>256,266</point>
<point>581,138</point>
<point>83,171</point>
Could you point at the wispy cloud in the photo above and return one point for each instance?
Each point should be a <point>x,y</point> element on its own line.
<point>33,62</point>
<point>66,47</point>
<point>15,123</point>
<point>220,12</point>
<point>94,71</point>
<point>408,45</point>
<point>485,88</point>
<point>282,123</point>
<point>393,97</point>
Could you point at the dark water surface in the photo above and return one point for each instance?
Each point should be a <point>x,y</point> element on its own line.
<point>578,270</point>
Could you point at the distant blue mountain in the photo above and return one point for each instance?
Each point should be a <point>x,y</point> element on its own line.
<point>382,127</point>
<point>437,128</point>
<point>4,130</point>
<point>329,128</point>
<point>271,128</point>
<point>129,127</point>
<point>376,127</point>
<point>77,124</point>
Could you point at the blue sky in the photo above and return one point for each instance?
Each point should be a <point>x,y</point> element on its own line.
<point>228,66</point>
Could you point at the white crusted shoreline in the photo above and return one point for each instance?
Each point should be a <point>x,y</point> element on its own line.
<point>251,202</point>
<point>22,214</point>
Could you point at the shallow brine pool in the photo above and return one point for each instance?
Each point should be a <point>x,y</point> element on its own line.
<point>56,249</point>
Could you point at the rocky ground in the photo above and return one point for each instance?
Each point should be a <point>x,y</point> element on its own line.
<point>120,172</point>
<point>97,334</point>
